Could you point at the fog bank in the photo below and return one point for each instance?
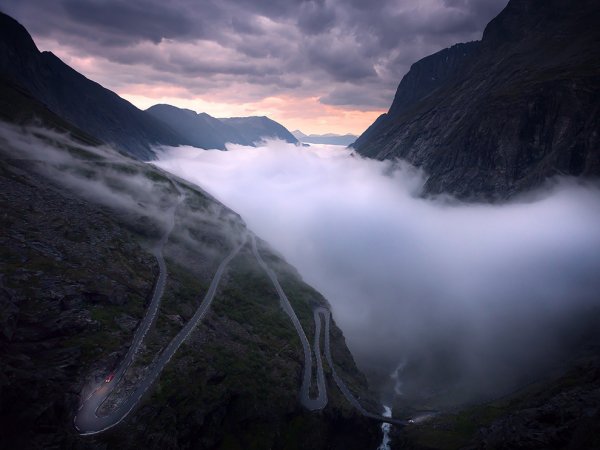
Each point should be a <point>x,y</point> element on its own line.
<point>464,298</point>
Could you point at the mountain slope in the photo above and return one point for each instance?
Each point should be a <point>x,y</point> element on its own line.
<point>493,118</point>
<point>78,100</point>
<point>79,226</point>
<point>197,129</point>
<point>204,131</point>
<point>254,129</point>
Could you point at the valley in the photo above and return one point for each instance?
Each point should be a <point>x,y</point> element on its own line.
<point>416,269</point>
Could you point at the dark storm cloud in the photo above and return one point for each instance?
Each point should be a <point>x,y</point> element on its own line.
<point>357,98</point>
<point>330,44</point>
<point>316,17</point>
<point>132,19</point>
<point>342,61</point>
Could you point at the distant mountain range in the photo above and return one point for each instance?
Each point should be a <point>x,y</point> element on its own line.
<point>204,131</point>
<point>101,113</point>
<point>328,139</point>
<point>492,118</point>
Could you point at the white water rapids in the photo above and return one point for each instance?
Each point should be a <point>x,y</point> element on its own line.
<point>385,429</point>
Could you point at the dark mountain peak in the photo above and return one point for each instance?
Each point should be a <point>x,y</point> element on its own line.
<point>429,73</point>
<point>493,118</point>
<point>87,105</point>
<point>508,26</point>
<point>164,107</point>
<point>551,20</point>
<point>196,129</point>
<point>14,35</point>
<point>256,128</point>
<point>205,131</point>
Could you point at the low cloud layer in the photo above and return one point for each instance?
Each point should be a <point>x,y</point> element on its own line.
<point>466,297</point>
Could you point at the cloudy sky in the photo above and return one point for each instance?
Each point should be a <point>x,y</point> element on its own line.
<point>317,65</point>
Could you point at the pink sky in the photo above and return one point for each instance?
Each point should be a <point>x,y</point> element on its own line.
<point>319,66</point>
<point>307,114</point>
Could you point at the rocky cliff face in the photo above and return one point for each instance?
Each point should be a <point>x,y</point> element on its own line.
<point>490,119</point>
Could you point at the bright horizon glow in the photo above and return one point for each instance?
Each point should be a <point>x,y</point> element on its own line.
<point>306,114</point>
<point>315,118</point>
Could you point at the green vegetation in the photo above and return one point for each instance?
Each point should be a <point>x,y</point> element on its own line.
<point>83,278</point>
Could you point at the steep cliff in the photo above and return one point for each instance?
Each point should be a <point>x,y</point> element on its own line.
<point>490,119</point>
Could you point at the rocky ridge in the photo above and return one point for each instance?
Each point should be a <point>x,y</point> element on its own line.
<point>494,118</point>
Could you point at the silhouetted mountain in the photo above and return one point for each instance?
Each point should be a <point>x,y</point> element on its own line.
<point>299,134</point>
<point>204,131</point>
<point>76,99</point>
<point>254,129</point>
<point>328,139</point>
<point>197,129</point>
<point>492,118</point>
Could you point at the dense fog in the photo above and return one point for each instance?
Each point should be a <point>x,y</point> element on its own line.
<point>138,195</point>
<point>455,301</point>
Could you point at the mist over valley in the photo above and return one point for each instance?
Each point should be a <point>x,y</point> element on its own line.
<point>432,285</point>
<point>416,266</point>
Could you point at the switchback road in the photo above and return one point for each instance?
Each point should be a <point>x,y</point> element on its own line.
<point>87,420</point>
<point>320,401</point>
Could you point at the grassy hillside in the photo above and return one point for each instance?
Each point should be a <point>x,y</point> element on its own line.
<point>78,223</point>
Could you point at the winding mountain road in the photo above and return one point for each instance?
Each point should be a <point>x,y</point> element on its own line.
<point>87,421</point>
<point>320,401</point>
<point>309,403</point>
